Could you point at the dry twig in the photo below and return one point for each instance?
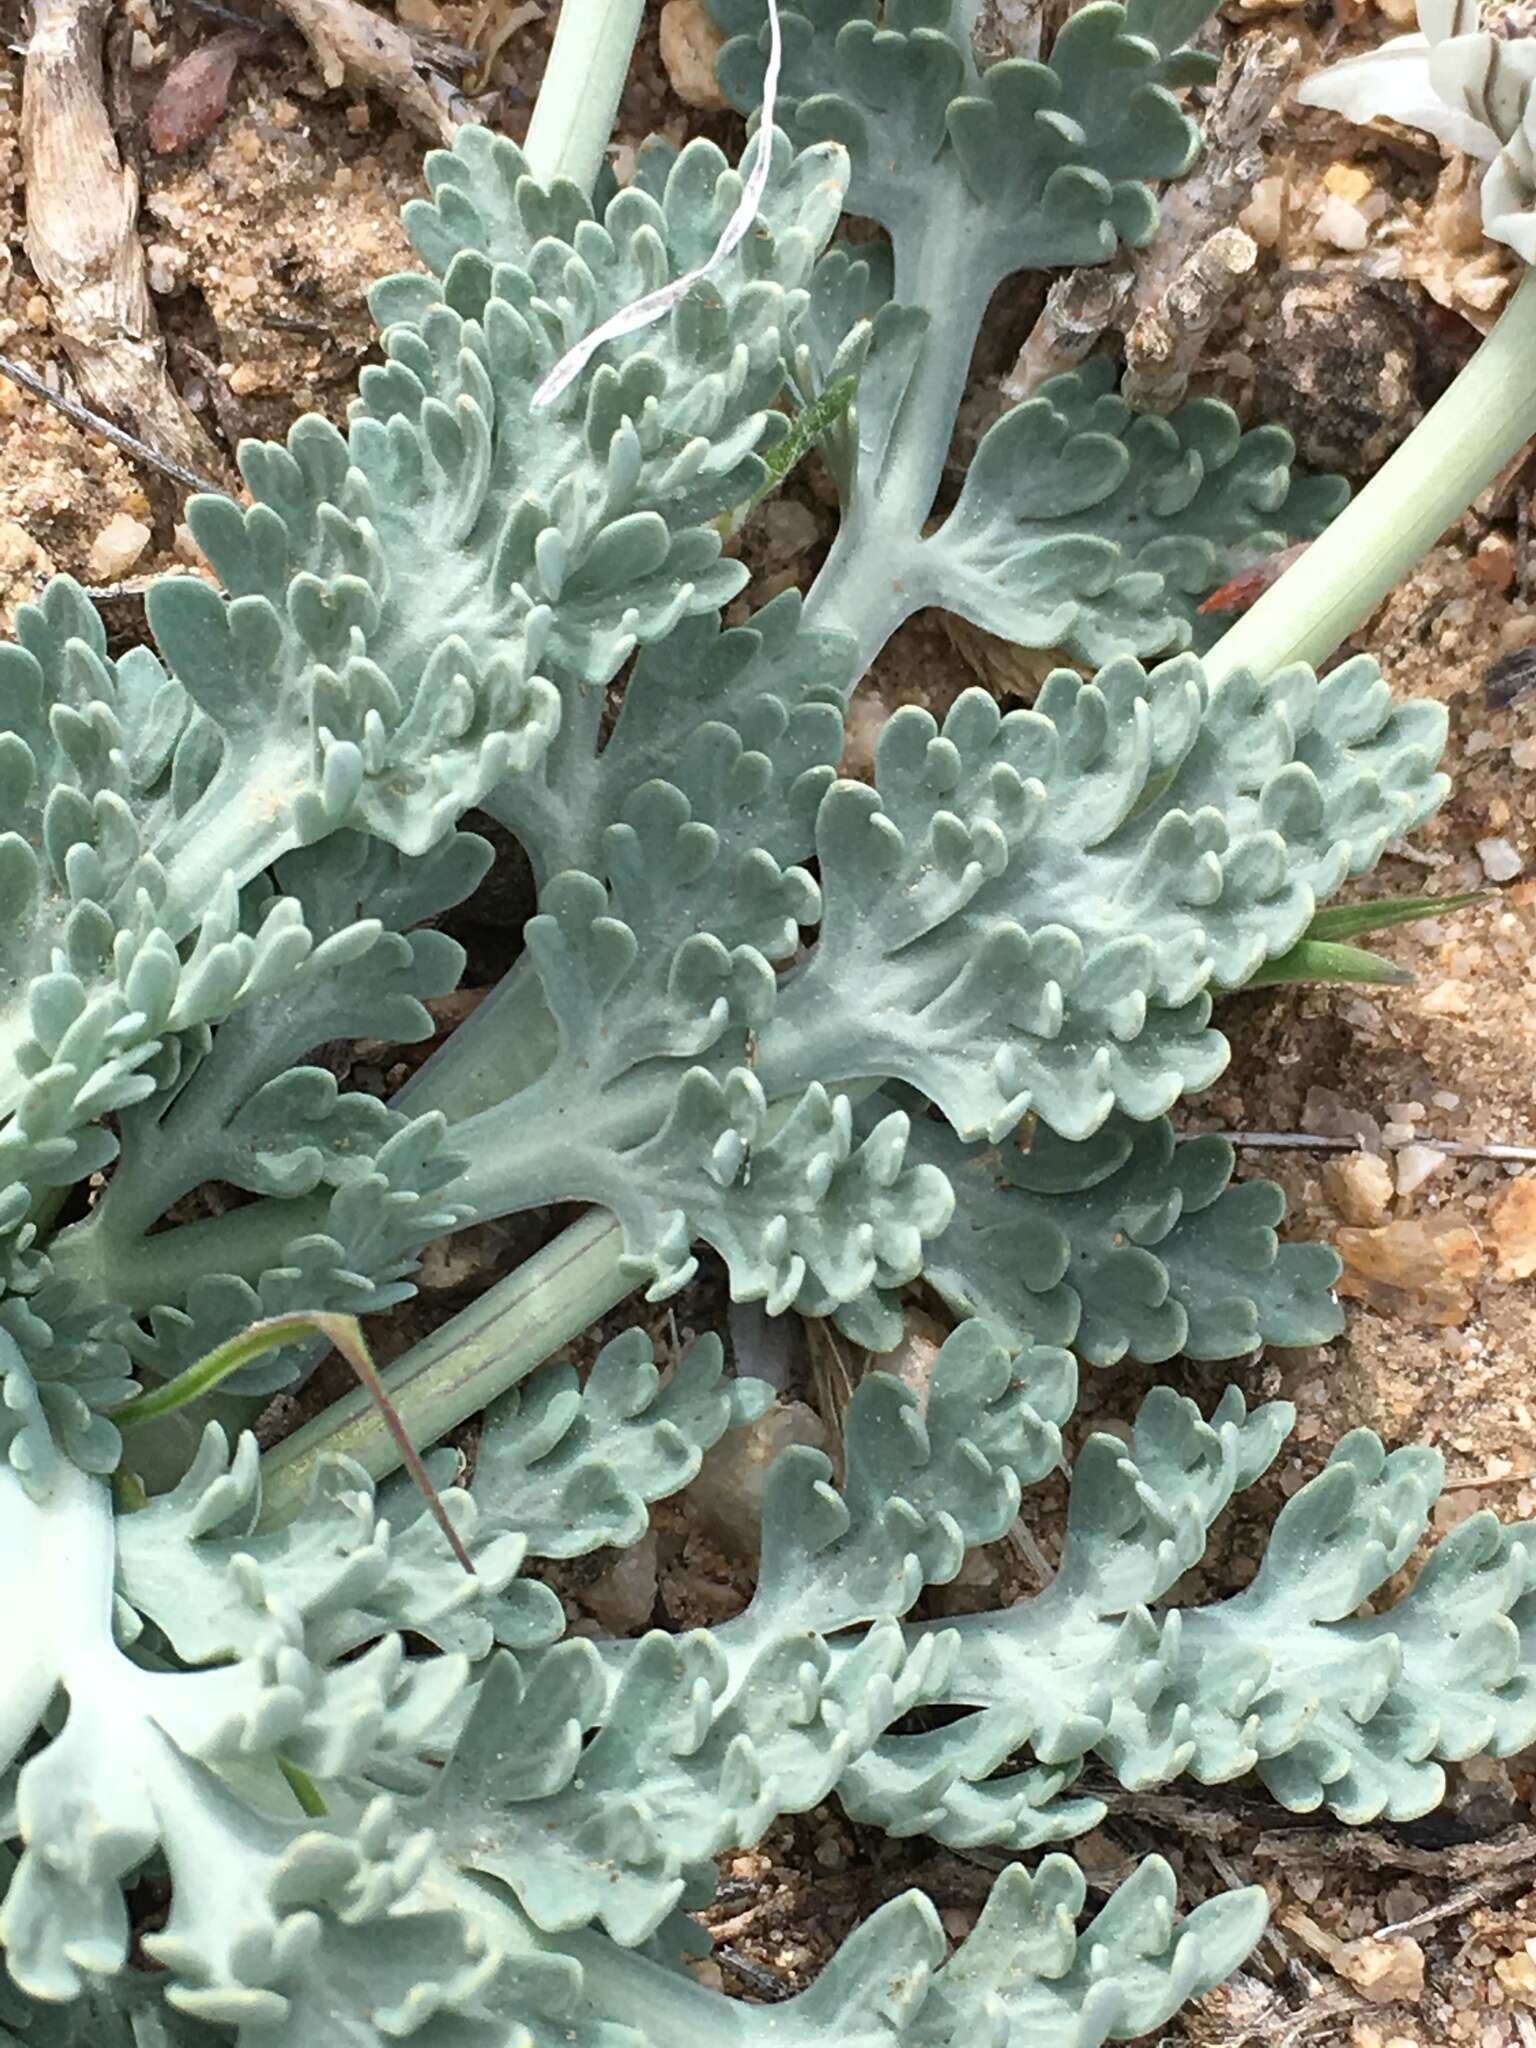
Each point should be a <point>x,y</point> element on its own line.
<point>1168,298</point>
<point>354,46</point>
<point>81,238</point>
<point>764,1982</point>
<point>1165,340</point>
<point>1305,1141</point>
<point>1079,308</point>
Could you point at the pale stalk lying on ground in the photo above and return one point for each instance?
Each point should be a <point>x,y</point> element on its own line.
<point>583,82</point>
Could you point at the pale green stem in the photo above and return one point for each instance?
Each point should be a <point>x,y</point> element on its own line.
<point>501,1048</point>
<point>137,1272</point>
<point>868,584</point>
<point>1455,452</point>
<point>583,83</point>
<point>462,1367</point>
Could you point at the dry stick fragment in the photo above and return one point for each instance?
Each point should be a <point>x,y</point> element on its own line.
<point>1255,75</point>
<point>353,46</point>
<point>1305,1141</point>
<point>1165,340</point>
<point>763,1982</point>
<point>1079,308</point>
<point>82,206</point>
<point>1019,28</point>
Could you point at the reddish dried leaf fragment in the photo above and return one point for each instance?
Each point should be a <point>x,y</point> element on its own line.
<point>196,91</point>
<point>1250,584</point>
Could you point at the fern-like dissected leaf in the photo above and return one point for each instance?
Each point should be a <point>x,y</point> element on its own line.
<point>366,671</point>
<point>925,1481</point>
<point>1285,1679</point>
<point>352,1248</point>
<point>138,1766</point>
<point>124,2012</point>
<point>700,708</point>
<point>593,513</point>
<point>362,1186</point>
<point>1024,1978</point>
<point>360,573</point>
<point>673,965</point>
<point>1027,911</point>
<point>689,1757</point>
<point>571,1466</point>
<point>1052,159</point>
<point>1129,1971</point>
<point>1077,528</point>
<point>1128,1245</point>
<point>331,1961</point>
<point>195,1563</point>
<point>1084,527</point>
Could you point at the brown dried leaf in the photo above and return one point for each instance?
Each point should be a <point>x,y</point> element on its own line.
<point>191,102</point>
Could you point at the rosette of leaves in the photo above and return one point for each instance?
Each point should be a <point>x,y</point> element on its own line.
<point>311,1781</point>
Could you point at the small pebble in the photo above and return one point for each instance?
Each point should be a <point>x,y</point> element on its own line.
<point>1264,215</point>
<point>1360,1186</point>
<point>167,268</point>
<point>1345,226</point>
<point>1501,863</point>
<point>623,1596</point>
<point>1494,562</point>
<point>1348,182</point>
<point>1512,1225</point>
<point>117,548</point>
<point>726,1498</point>
<point>1414,1165</point>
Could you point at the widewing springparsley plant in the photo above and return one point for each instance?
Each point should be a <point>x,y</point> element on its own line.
<point>281,1772</point>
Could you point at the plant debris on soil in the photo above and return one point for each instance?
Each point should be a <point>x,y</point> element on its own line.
<point>260,160</point>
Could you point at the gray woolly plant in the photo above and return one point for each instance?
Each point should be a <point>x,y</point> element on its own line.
<point>282,1772</point>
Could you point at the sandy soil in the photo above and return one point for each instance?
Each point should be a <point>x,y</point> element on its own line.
<point>262,241</point>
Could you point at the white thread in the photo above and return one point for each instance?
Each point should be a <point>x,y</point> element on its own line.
<point>651,308</point>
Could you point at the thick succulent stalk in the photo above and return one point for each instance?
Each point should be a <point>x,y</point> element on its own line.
<point>462,1367</point>
<point>574,114</point>
<point>1454,453</point>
